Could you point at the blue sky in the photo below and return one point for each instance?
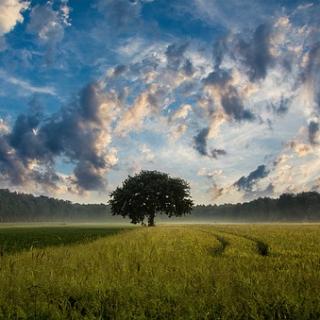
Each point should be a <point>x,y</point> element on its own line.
<point>225,94</point>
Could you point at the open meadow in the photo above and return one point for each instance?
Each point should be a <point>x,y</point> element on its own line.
<point>167,272</point>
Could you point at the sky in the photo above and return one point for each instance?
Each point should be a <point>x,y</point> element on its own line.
<point>224,94</point>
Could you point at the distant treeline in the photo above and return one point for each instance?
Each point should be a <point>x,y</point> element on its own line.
<point>299,207</point>
<point>305,206</point>
<point>18,207</point>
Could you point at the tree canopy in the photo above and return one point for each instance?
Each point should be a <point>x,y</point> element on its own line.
<point>305,206</point>
<point>148,193</point>
<point>19,207</point>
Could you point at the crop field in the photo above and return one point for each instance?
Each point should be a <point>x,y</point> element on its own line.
<point>166,272</point>
<point>13,239</point>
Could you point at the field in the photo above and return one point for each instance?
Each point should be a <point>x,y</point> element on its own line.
<point>13,239</point>
<point>166,272</point>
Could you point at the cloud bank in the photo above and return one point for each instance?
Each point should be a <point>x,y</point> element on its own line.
<point>226,95</point>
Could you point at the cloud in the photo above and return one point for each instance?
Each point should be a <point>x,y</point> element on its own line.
<point>281,107</point>
<point>301,149</point>
<point>147,103</point>
<point>182,112</point>
<point>48,25</point>
<point>26,86</point>
<point>256,54</point>
<point>177,131</point>
<point>122,15</point>
<point>175,55</point>
<point>10,167</point>
<point>215,153</point>
<point>215,192</point>
<point>177,61</point>
<point>4,127</point>
<point>132,119</point>
<point>313,130</point>
<point>200,141</point>
<point>310,75</point>
<point>79,133</point>
<point>219,78</point>
<point>233,106</point>
<point>228,104</point>
<point>118,70</point>
<point>200,144</point>
<point>246,183</point>
<point>147,153</point>
<point>11,14</point>
<point>224,83</point>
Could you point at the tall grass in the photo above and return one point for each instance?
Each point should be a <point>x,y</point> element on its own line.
<point>180,272</point>
<point>13,239</point>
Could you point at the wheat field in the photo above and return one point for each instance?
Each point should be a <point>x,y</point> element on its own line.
<point>168,272</point>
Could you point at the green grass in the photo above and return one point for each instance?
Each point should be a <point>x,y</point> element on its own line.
<point>13,239</point>
<point>169,272</point>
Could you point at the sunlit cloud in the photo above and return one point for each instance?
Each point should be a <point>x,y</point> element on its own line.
<point>223,94</point>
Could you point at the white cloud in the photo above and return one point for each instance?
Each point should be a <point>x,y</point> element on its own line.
<point>4,128</point>
<point>182,112</point>
<point>26,86</point>
<point>147,153</point>
<point>11,14</point>
<point>48,23</point>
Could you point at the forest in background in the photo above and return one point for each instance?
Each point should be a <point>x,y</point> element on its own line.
<point>301,207</point>
<point>20,207</point>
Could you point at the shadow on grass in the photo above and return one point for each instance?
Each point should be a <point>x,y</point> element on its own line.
<point>18,239</point>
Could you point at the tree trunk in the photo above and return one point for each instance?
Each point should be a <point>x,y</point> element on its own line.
<point>151,220</point>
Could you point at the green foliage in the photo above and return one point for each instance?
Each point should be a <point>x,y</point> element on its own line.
<point>183,272</point>
<point>299,207</point>
<point>18,207</point>
<point>149,193</point>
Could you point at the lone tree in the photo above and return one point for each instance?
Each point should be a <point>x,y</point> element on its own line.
<point>148,193</point>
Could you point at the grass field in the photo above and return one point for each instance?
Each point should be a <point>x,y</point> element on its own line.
<point>24,237</point>
<point>166,272</point>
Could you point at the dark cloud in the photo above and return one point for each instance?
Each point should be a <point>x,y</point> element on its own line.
<point>220,78</point>
<point>219,50</point>
<point>246,183</point>
<point>78,133</point>
<point>200,141</point>
<point>233,106</point>
<point>313,130</point>
<point>47,178</point>
<point>23,139</point>
<point>230,99</point>
<point>176,59</point>
<point>10,167</point>
<point>311,73</point>
<point>256,54</point>
<point>215,153</point>
<point>281,107</point>
<point>87,177</point>
<point>200,144</point>
<point>313,62</point>
<point>188,68</point>
<point>118,70</point>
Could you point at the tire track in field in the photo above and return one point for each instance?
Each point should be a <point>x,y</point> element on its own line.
<point>232,243</point>
<point>223,243</point>
<point>262,247</point>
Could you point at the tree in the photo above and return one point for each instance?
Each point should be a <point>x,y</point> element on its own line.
<point>148,193</point>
